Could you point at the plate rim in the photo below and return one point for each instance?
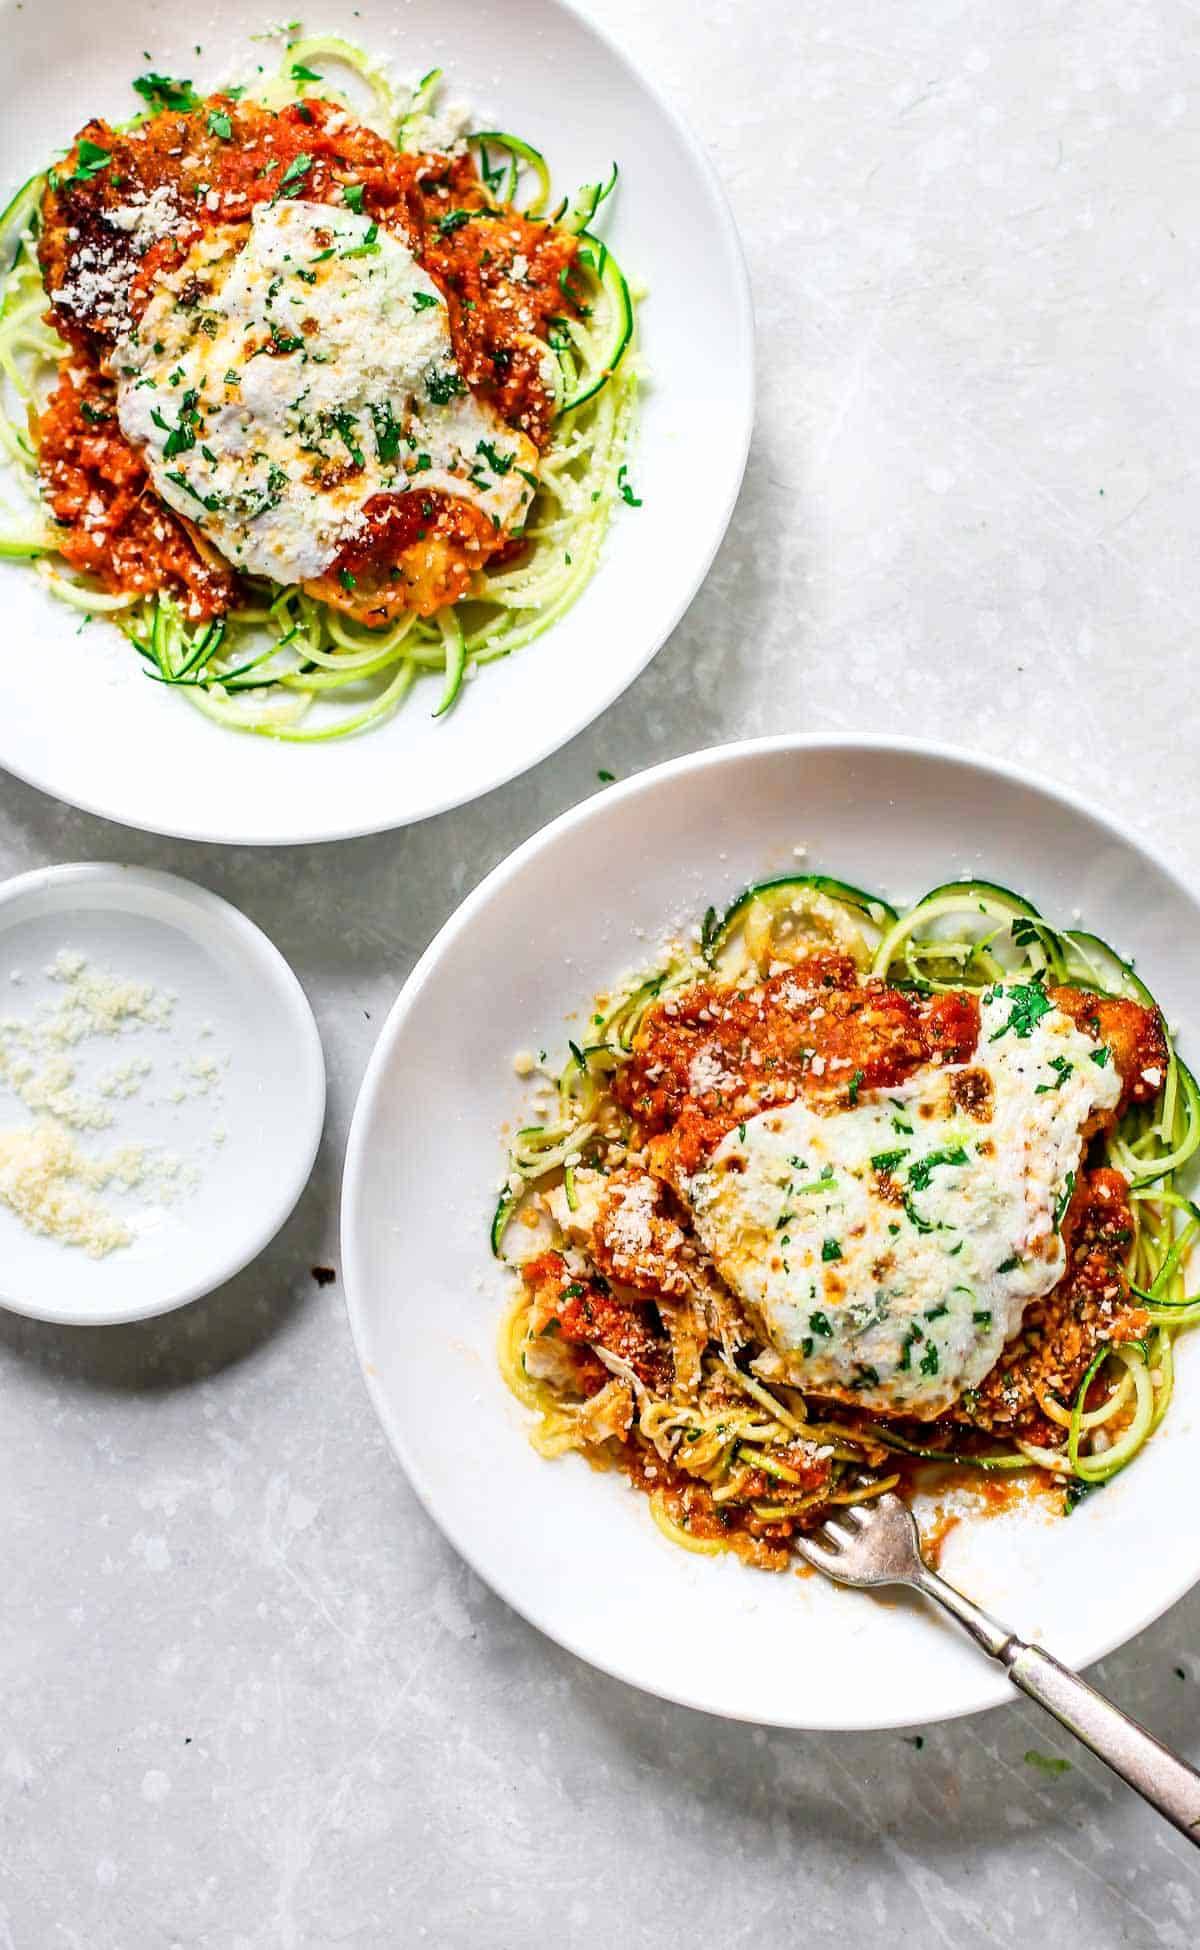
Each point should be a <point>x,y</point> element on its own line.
<point>993,1690</point>
<point>223,918</point>
<point>744,398</point>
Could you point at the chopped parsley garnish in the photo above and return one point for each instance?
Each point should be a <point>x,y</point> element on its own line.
<point>301,73</point>
<point>424,301</point>
<point>219,124</point>
<point>270,496</point>
<point>983,1319</point>
<point>929,1360</point>
<point>856,1084</point>
<point>1074,1494</point>
<point>352,196</point>
<point>347,580</point>
<point>819,1324</point>
<point>1100,1056</point>
<point>630,499</point>
<point>94,415</point>
<point>830,1249</point>
<point>293,176</point>
<point>90,161</point>
<point>387,433</point>
<point>452,221</point>
<point>922,1172</point>
<point>1008,1265</point>
<point>1062,1067</point>
<point>914,1216</point>
<point>347,427</point>
<point>163,91</point>
<point>1048,1763</point>
<point>442,386</point>
<point>1030,1004</point>
<point>913,1335</point>
<point>210,501</point>
<point>369,246</point>
<point>1064,1199</point>
<point>422,463</point>
<point>867,1377</point>
<point>499,463</point>
<point>888,1160</point>
<point>181,437</point>
<point>935,1313</point>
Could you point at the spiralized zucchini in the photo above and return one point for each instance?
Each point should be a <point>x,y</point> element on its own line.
<point>288,667</point>
<point>965,935</point>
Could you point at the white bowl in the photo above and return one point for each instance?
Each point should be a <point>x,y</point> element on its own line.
<point>77,715</point>
<point>235,1090</point>
<point>573,1550</point>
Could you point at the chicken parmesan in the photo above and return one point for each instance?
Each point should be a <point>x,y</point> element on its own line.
<point>841,1192</point>
<point>335,398</point>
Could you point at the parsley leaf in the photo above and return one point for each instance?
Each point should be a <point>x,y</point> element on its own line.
<point>627,494</point>
<point>219,124</point>
<point>293,176</point>
<point>442,386</point>
<point>369,246</point>
<point>162,91</point>
<point>922,1172</point>
<point>1030,1004</point>
<point>90,160</point>
<point>1064,1199</point>
<point>1062,1067</point>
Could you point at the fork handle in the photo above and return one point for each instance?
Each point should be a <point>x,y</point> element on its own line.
<point>1148,1767</point>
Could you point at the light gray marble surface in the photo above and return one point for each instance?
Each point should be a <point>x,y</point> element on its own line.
<point>248,1697</point>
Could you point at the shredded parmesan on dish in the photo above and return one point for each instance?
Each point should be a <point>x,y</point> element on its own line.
<point>47,1182</point>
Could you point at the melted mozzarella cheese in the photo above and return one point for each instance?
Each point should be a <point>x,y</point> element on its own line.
<point>890,1250</point>
<point>280,379</point>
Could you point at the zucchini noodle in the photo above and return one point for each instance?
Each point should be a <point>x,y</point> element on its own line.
<point>289,667</point>
<point>722,1428</point>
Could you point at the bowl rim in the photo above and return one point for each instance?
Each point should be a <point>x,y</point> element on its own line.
<point>992,1690</point>
<point>743,390</point>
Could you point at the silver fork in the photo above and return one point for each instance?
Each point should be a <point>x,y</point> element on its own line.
<point>877,1543</point>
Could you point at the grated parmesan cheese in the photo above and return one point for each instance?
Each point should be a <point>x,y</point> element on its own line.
<point>48,1183</point>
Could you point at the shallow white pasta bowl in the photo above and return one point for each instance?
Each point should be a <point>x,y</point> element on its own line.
<point>579,905</point>
<point>78,717</point>
<point>162,1093</point>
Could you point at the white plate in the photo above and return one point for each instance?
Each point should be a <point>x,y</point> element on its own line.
<point>574,1551</point>
<point>235,1090</point>
<point>77,716</point>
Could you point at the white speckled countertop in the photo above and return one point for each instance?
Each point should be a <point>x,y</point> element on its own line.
<point>248,1698</point>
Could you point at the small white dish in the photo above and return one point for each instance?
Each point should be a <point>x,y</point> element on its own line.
<point>78,717</point>
<point>588,900</point>
<point>221,1079</point>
